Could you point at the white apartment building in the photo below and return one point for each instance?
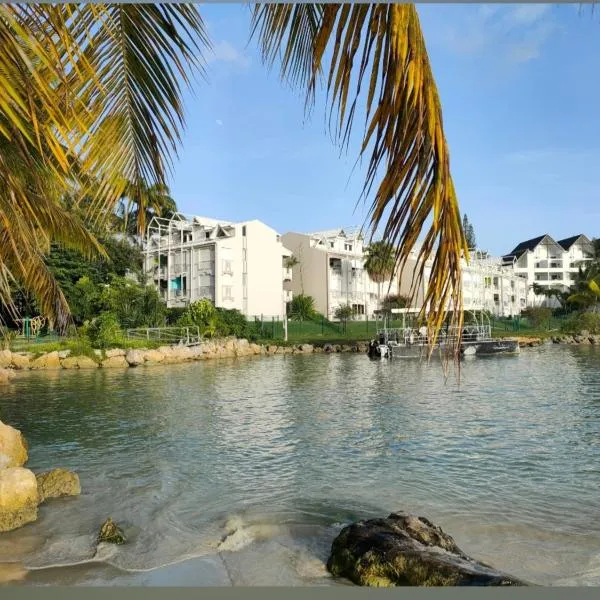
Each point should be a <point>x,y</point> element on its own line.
<point>331,269</point>
<point>486,285</point>
<point>235,265</point>
<point>549,263</point>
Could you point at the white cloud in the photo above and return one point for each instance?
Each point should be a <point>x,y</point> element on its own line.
<point>528,13</point>
<point>225,52</point>
<point>219,122</point>
<point>515,33</point>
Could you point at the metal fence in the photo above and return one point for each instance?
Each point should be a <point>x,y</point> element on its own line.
<point>270,327</point>
<point>166,335</point>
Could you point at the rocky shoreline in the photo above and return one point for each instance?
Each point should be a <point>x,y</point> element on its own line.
<point>212,349</point>
<point>22,491</point>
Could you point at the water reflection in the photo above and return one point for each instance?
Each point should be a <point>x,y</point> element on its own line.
<point>507,461</point>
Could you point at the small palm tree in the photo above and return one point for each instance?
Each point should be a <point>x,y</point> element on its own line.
<point>380,263</point>
<point>301,308</point>
<point>291,262</point>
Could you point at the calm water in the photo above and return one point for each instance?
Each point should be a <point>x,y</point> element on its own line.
<point>242,471</point>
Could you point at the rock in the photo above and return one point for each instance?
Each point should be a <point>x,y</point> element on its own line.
<point>318,350</point>
<point>64,354</point>
<point>85,362</point>
<point>47,361</point>
<point>20,360</point>
<point>114,352</point>
<point>584,333</point>
<point>6,375</point>
<point>79,362</point>
<point>328,348</point>
<point>347,348</point>
<point>57,483</point>
<point>111,533</point>
<point>69,363</point>
<point>13,447</point>
<point>305,348</point>
<point>153,356</point>
<point>134,358</point>
<point>5,358</point>
<point>115,362</point>
<point>18,498</point>
<point>337,348</point>
<point>271,349</point>
<point>405,550</point>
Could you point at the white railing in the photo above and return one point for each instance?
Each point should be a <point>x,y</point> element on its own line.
<point>418,336</point>
<point>166,335</point>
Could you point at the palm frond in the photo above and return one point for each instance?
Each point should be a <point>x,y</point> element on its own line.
<point>379,61</point>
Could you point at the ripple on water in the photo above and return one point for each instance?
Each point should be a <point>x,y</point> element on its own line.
<point>293,447</point>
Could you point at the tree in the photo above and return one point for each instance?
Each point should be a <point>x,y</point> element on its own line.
<point>139,203</point>
<point>588,294</point>
<point>301,308</point>
<point>59,132</point>
<point>395,301</point>
<point>469,232</point>
<point>344,313</point>
<point>551,292</point>
<point>291,262</point>
<point>380,262</point>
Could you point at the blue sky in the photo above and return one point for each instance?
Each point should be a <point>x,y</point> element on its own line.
<point>520,92</point>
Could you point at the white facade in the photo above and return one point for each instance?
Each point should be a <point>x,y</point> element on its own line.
<point>331,269</point>
<point>236,265</point>
<point>487,285</point>
<point>549,263</point>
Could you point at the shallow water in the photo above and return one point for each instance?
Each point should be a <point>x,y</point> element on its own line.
<point>242,471</point>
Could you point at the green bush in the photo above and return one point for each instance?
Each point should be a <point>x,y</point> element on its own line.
<point>173,315</point>
<point>583,321</point>
<point>104,331</point>
<point>301,308</point>
<point>537,315</point>
<point>232,322</point>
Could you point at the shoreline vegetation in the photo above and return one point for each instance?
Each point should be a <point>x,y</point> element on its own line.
<point>11,361</point>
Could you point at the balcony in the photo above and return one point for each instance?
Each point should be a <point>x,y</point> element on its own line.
<point>287,274</point>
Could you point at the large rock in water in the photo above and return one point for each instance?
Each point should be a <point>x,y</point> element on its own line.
<point>18,498</point>
<point>13,447</point>
<point>57,484</point>
<point>405,550</point>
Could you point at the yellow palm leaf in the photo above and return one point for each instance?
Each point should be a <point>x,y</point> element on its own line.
<point>408,172</point>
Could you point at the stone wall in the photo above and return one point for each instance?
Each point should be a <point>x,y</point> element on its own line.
<point>116,357</point>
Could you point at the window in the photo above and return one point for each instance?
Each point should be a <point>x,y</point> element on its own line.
<point>244,230</point>
<point>512,285</point>
<point>495,282</point>
<point>496,298</point>
<point>512,299</point>
<point>331,244</point>
<point>348,247</point>
<point>227,268</point>
<point>358,309</point>
<point>207,235</point>
<point>488,282</point>
<point>227,292</point>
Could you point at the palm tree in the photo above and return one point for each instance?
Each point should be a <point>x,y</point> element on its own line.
<point>588,294</point>
<point>90,100</point>
<point>380,263</point>
<point>140,203</point>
